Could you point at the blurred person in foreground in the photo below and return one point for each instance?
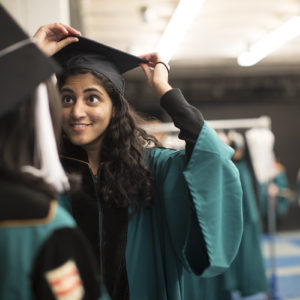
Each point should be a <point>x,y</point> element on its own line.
<point>43,255</point>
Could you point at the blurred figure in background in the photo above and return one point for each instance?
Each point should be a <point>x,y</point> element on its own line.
<point>247,274</point>
<point>279,192</point>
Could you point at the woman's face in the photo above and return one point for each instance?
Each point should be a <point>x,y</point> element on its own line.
<point>87,110</point>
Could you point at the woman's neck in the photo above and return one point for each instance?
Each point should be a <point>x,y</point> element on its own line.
<point>94,161</point>
<point>94,158</point>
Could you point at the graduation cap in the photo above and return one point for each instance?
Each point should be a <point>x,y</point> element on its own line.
<point>22,65</point>
<point>108,61</point>
<point>23,69</point>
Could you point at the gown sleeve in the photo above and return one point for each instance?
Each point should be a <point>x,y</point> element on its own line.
<point>200,197</point>
<point>65,268</point>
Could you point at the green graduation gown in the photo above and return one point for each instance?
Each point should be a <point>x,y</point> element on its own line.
<point>195,226</point>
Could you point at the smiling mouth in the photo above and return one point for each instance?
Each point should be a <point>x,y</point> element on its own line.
<point>79,126</point>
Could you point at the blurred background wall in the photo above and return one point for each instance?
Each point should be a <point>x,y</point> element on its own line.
<point>31,14</point>
<point>204,65</point>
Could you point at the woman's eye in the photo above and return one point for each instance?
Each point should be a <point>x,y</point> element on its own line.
<point>67,99</point>
<point>93,99</point>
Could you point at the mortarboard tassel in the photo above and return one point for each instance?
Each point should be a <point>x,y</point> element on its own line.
<point>51,169</point>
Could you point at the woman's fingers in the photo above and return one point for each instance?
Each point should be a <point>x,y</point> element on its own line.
<point>63,43</point>
<point>152,58</point>
<point>57,28</point>
<point>157,73</point>
<point>53,37</point>
<point>56,31</point>
<point>147,71</point>
<point>71,30</point>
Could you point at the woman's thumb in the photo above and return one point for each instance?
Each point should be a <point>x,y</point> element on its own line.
<point>65,42</point>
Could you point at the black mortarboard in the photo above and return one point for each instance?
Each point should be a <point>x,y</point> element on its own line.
<point>101,58</point>
<point>22,65</point>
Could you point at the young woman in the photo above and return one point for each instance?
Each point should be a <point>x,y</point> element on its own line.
<point>43,254</point>
<point>156,218</point>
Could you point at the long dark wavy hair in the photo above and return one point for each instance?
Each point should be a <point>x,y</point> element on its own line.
<point>125,177</point>
<point>17,140</point>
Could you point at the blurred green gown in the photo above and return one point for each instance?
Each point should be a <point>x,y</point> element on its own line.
<point>283,201</point>
<point>247,273</point>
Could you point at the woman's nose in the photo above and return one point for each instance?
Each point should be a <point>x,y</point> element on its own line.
<point>78,110</point>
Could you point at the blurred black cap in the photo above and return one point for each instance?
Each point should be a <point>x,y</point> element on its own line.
<point>22,65</point>
<point>98,57</point>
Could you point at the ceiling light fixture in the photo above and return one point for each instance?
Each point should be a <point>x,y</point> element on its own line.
<point>182,18</point>
<point>271,42</point>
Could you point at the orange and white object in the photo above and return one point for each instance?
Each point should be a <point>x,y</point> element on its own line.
<point>65,282</point>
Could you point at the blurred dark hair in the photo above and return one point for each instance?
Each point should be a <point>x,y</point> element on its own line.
<point>17,139</point>
<point>125,177</point>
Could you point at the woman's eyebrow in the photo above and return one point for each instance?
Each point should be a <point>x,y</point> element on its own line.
<point>92,90</point>
<point>66,90</point>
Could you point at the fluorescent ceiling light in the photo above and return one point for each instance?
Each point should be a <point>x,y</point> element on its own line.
<point>182,18</point>
<point>270,42</point>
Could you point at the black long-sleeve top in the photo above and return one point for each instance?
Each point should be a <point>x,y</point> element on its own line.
<point>185,116</point>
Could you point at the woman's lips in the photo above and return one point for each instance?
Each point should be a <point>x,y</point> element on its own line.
<point>79,127</point>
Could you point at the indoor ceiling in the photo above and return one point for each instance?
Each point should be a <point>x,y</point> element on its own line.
<point>220,32</point>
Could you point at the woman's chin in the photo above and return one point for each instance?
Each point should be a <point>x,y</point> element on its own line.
<point>78,142</point>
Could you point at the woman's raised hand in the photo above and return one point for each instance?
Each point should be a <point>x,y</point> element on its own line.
<point>157,73</point>
<point>51,38</point>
